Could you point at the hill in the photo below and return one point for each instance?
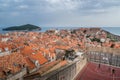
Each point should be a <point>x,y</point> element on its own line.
<point>112,36</point>
<point>94,30</point>
<point>27,27</point>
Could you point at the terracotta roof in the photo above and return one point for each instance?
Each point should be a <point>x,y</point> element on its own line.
<point>12,62</point>
<point>39,57</point>
<point>30,64</point>
<point>27,50</point>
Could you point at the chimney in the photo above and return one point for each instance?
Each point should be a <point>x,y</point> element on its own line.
<point>0,50</point>
<point>51,58</point>
<point>49,54</point>
<point>54,57</point>
<point>37,63</point>
<point>44,54</point>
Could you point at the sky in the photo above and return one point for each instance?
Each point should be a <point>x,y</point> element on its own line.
<point>89,13</point>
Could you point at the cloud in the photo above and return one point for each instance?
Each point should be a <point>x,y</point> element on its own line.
<point>23,7</point>
<point>63,4</point>
<point>60,12</point>
<point>18,0</point>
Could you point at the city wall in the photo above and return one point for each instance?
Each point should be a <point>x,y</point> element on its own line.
<point>68,72</point>
<point>104,50</point>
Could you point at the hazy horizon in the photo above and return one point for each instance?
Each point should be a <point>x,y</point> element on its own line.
<point>114,30</point>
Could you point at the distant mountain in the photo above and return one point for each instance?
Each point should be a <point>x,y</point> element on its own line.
<point>27,27</point>
<point>94,30</point>
<point>110,35</point>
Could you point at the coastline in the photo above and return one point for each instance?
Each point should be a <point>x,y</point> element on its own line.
<point>114,30</point>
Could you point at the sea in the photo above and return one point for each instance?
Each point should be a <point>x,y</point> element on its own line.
<point>114,30</point>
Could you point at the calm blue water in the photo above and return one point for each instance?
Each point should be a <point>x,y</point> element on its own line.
<point>46,28</point>
<point>114,30</point>
<point>1,32</point>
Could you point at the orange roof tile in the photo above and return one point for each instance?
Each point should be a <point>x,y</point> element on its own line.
<point>9,61</point>
<point>30,64</point>
<point>39,57</point>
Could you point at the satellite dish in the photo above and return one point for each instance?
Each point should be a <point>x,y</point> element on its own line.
<point>102,40</point>
<point>37,63</point>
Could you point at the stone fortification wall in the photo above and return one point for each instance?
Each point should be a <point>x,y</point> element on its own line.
<point>104,50</point>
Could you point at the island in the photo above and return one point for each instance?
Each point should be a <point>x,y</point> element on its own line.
<point>27,27</point>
